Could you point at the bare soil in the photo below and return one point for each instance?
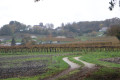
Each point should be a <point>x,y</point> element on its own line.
<point>113,60</point>
<point>72,67</point>
<point>10,68</point>
<point>84,72</point>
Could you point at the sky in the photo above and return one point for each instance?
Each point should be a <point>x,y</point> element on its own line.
<point>55,11</point>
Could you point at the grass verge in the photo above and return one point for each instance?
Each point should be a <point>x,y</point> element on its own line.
<point>94,57</point>
<point>105,73</point>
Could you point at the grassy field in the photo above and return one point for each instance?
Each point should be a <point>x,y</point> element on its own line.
<point>105,73</point>
<point>94,57</point>
<point>108,70</point>
<point>55,63</point>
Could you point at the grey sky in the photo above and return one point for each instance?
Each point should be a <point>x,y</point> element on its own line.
<point>55,11</point>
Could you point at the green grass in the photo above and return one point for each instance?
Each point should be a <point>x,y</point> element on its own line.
<point>105,73</point>
<point>37,53</point>
<point>75,61</point>
<point>59,66</point>
<point>27,59</point>
<point>71,58</point>
<point>94,57</point>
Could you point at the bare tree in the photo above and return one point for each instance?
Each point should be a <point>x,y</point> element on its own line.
<point>36,0</point>
<point>113,3</point>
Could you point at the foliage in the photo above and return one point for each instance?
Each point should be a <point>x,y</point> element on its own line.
<point>69,30</point>
<point>114,31</point>
<point>113,3</point>
<point>80,28</point>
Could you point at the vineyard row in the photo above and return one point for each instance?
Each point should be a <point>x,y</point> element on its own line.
<point>65,48</point>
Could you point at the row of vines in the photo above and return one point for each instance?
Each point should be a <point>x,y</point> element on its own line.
<point>98,46</point>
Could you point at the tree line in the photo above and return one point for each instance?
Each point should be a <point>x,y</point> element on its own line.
<point>85,27</point>
<point>16,27</point>
<point>68,30</point>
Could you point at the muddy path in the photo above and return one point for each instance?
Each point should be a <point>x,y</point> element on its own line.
<point>88,67</point>
<point>72,65</point>
<point>84,71</point>
<point>86,64</point>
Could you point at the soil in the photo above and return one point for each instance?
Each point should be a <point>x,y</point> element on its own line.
<point>10,68</point>
<point>72,67</point>
<point>113,60</point>
<point>84,72</point>
<point>18,72</point>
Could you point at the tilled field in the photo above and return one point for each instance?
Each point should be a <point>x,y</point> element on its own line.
<point>113,60</point>
<point>28,65</point>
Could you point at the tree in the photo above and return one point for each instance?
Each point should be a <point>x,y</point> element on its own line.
<point>13,42</point>
<point>113,3</point>
<point>26,39</point>
<point>49,26</point>
<point>5,30</point>
<point>36,0</point>
<point>114,31</point>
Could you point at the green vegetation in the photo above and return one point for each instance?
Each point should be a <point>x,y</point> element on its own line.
<point>75,61</point>
<point>57,65</point>
<point>105,73</point>
<point>53,69</point>
<point>94,57</point>
<point>37,53</point>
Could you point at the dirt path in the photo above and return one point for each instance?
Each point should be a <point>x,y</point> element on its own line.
<point>72,65</point>
<point>88,65</point>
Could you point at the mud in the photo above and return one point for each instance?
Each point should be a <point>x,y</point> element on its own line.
<point>113,60</point>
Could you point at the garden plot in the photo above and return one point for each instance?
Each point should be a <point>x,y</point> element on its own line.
<point>28,65</point>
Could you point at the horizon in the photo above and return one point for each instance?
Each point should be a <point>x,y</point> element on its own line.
<point>57,12</point>
<point>61,23</point>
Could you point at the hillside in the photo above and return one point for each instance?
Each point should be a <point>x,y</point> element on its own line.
<point>91,27</point>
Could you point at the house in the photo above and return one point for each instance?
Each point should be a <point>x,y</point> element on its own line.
<point>60,37</point>
<point>2,39</point>
<point>103,29</point>
<point>33,37</point>
<point>18,43</point>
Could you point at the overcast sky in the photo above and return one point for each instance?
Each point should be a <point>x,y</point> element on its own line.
<point>55,11</point>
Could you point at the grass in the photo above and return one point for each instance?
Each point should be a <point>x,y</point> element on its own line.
<point>75,61</point>
<point>55,68</point>
<point>108,71</point>
<point>60,65</point>
<point>71,58</point>
<point>36,53</point>
<point>105,73</point>
<point>94,57</point>
<point>26,59</point>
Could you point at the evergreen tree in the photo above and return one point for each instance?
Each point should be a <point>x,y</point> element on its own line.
<point>13,42</point>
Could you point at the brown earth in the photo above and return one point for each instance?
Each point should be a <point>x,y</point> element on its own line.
<point>12,66</point>
<point>113,60</point>
<point>84,72</point>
